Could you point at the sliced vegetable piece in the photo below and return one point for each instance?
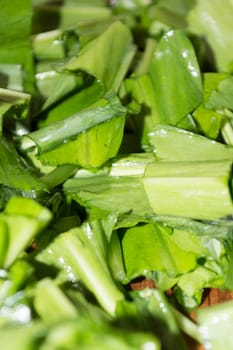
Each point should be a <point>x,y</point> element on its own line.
<point>51,303</point>
<point>24,219</point>
<point>115,45</point>
<point>221,98</point>
<point>175,144</point>
<point>103,119</point>
<point>209,119</point>
<point>15,32</point>
<point>215,325</point>
<point>198,190</point>
<point>153,305</point>
<point>175,76</point>
<point>80,252</point>
<point>16,177</point>
<point>213,22</point>
<point>104,195</point>
<point>90,149</point>
<point>13,104</point>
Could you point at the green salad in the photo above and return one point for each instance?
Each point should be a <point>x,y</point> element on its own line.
<point>116,153</point>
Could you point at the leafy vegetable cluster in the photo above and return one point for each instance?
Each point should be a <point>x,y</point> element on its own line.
<point>116,151</point>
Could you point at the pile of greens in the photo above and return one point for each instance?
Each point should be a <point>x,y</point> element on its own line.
<point>116,152</point>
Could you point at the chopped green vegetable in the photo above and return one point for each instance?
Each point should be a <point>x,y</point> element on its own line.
<point>116,152</point>
<point>199,190</point>
<point>214,321</point>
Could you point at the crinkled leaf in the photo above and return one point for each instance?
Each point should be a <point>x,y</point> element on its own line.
<point>113,45</point>
<point>149,247</point>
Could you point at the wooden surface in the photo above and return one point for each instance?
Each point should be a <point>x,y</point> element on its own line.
<point>216,296</point>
